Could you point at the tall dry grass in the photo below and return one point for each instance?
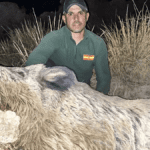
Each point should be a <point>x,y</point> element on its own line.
<point>129,47</point>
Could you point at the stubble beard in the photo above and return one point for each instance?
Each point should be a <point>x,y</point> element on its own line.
<point>76,30</point>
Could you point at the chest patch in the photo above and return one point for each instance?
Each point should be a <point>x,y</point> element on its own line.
<point>88,57</point>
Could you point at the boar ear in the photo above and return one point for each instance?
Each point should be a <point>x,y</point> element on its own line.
<point>58,78</point>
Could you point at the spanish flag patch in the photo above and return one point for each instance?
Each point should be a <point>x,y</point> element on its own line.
<point>88,57</point>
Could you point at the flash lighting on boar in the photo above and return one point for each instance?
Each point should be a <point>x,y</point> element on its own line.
<point>59,112</point>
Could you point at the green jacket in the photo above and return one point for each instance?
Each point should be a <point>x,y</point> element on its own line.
<point>62,50</point>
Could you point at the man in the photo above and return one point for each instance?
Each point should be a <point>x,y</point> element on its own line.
<point>75,47</point>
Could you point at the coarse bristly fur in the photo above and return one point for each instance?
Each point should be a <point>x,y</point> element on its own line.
<point>59,113</point>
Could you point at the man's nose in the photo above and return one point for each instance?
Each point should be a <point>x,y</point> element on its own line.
<point>76,17</point>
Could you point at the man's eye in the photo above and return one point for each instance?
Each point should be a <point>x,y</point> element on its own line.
<point>70,14</point>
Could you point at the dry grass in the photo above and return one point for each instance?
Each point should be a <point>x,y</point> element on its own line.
<point>129,48</point>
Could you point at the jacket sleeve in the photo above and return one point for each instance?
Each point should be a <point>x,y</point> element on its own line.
<point>43,51</point>
<point>103,76</point>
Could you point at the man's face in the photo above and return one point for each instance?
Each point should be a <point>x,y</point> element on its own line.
<point>75,19</point>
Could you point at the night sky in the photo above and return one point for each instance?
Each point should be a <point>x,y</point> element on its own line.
<point>52,5</point>
<point>40,6</point>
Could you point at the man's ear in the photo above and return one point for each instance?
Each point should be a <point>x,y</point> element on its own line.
<point>87,16</point>
<point>64,18</point>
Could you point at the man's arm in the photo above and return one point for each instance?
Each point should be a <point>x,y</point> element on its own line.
<point>43,51</point>
<point>103,76</point>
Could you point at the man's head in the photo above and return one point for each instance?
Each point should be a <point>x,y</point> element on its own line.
<point>75,15</point>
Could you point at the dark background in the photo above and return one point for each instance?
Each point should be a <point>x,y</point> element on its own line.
<point>13,13</point>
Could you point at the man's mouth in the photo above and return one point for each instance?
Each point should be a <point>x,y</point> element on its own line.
<point>77,24</point>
